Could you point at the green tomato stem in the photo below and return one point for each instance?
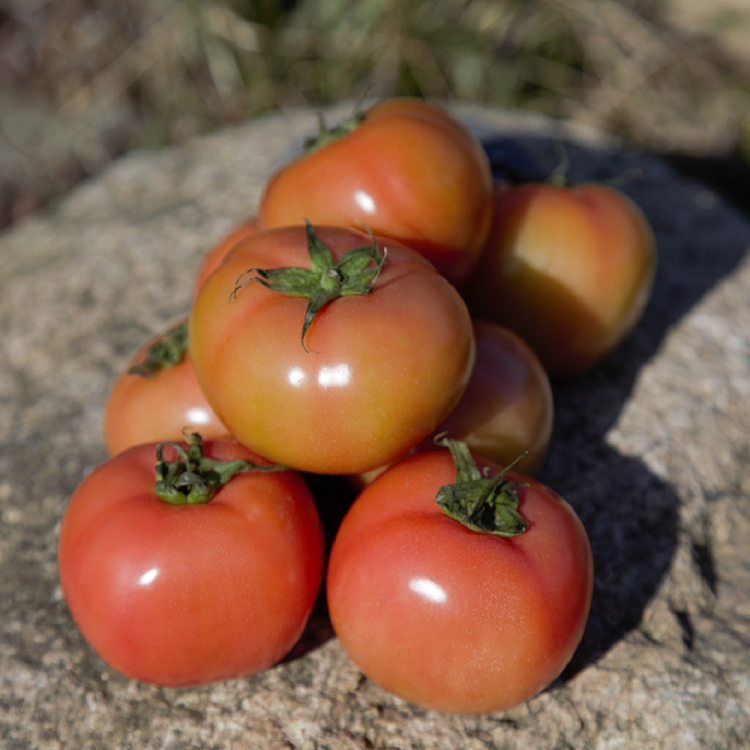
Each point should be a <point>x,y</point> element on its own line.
<point>192,478</point>
<point>325,280</point>
<point>169,350</point>
<point>327,135</point>
<point>487,505</point>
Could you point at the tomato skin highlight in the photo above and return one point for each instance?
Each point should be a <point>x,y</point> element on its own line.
<point>186,595</point>
<point>449,619</point>
<point>409,170</point>
<point>569,269</point>
<point>381,371</point>
<point>150,409</point>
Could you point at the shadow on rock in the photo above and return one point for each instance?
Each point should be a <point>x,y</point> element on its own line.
<point>631,515</point>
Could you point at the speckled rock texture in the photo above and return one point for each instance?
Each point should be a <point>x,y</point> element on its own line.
<point>652,448</point>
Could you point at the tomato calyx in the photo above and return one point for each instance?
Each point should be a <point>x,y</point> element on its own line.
<point>328,135</point>
<point>487,505</point>
<point>192,478</point>
<point>167,351</point>
<point>325,280</point>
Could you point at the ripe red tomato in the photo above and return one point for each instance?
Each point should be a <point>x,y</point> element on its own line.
<point>182,595</point>
<point>570,269</point>
<point>379,371</point>
<point>448,618</point>
<point>216,254</point>
<point>408,170</point>
<point>162,401</point>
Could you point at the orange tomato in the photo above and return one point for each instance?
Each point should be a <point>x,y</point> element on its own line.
<point>379,371</point>
<point>569,269</point>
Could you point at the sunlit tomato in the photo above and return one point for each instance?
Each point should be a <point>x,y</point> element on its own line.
<point>448,618</point>
<point>379,372</point>
<point>407,169</point>
<point>570,269</point>
<point>216,254</point>
<point>188,594</point>
<point>159,403</point>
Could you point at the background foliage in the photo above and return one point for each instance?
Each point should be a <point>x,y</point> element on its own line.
<point>82,81</point>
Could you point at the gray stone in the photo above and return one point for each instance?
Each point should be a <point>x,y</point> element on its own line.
<point>651,447</point>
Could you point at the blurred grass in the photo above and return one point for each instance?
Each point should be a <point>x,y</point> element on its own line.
<point>83,81</point>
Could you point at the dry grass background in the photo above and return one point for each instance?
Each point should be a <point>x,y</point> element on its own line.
<point>83,81</point>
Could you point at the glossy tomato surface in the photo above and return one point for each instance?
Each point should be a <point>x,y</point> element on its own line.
<point>448,618</point>
<point>408,170</point>
<point>216,253</point>
<point>190,594</point>
<point>379,372</point>
<point>570,269</point>
<point>142,409</point>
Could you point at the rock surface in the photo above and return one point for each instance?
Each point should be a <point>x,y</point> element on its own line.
<point>651,448</point>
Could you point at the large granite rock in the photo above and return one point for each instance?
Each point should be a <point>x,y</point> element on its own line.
<point>651,448</point>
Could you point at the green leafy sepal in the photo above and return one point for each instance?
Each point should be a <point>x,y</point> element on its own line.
<point>325,280</point>
<point>328,135</point>
<point>167,351</point>
<point>192,478</point>
<point>488,505</point>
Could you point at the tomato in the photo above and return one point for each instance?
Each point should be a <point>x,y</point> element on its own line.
<point>449,618</point>
<point>407,169</point>
<point>216,254</point>
<point>185,594</point>
<point>570,269</point>
<point>373,375</point>
<point>160,400</point>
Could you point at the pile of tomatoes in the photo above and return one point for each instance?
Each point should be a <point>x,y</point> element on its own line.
<point>392,317</point>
